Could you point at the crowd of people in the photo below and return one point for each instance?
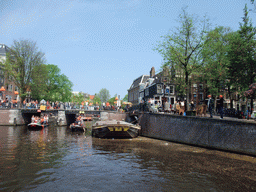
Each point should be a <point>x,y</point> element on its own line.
<point>5,103</point>
<point>43,119</point>
<point>179,106</point>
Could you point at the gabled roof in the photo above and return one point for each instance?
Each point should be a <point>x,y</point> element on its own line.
<point>3,49</point>
<point>138,81</point>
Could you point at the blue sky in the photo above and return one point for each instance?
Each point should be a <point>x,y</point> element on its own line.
<point>106,43</point>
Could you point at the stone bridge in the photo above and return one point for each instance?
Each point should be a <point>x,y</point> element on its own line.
<point>61,117</point>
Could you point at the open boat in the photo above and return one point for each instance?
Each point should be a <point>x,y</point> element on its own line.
<point>115,129</point>
<point>74,127</point>
<point>36,126</point>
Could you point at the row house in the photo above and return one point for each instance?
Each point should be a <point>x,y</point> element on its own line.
<point>156,88</point>
<point>9,87</point>
<point>153,88</point>
<point>159,88</point>
<point>134,91</point>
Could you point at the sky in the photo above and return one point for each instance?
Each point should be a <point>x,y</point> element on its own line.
<point>106,43</point>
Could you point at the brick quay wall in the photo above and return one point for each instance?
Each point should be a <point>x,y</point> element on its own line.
<point>11,117</point>
<point>225,134</point>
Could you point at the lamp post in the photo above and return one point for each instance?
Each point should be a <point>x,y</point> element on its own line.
<point>165,79</point>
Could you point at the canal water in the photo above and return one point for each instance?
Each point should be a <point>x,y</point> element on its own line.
<point>55,159</point>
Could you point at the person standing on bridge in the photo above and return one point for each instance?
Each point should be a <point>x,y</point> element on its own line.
<point>210,105</point>
<point>221,101</point>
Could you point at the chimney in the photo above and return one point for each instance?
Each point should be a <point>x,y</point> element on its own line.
<point>152,72</point>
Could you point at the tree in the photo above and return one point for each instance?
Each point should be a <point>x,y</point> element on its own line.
<point>39,81</point>
<point>104,95</point>
<point>242,56</point>
<point>96,100</point>
<point>213,70</point>
<point>181,49</point>
<point>59,87</point>
<point>20,62</point>
<point>78,98</point>
<point>125,97</point>
<point>112,100</point>
<point>253,3</point>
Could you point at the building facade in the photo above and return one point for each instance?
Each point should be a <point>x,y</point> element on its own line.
<point>157,90</point>
<point>9,86</point>
<point>137,86</point>
<point>151,88</point>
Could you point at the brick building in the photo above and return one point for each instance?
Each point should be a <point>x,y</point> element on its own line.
<point>9,86</point>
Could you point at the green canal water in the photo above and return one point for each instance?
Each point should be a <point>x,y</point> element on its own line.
<point>55,159</point>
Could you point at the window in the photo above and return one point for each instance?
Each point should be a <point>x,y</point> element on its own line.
<point>194,85</point>
<point>172,100</point>
<point>147,92</point>
<point>201,97</point>
<point>167,90</point>
<point>10,88</point>
<point>201,87</point>
<point>159,88</point>
<point>16,88</point>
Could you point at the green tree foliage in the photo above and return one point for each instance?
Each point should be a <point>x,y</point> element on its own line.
<point>181,48</point>
<point>241,54</point>
<point>253,3</point>
<point>104,95</point>
<point>213,70</point>
<point>78,98</point>
<point>125,97</point>
<point>59,87</point>
<point>20,62</point>
<point>112,100</point>
<point>97,100</point>
<point>39,81</point>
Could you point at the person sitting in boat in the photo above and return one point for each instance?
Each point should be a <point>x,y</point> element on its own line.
<point>33,119</point>
<point>79,120</point>
<point>47,118</point>
<point>42,120</point>
<point>36,120</point>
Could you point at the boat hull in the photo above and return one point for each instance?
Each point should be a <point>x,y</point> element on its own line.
<point>75,128</point>
<point>120,130</point>
<point>36,126</point>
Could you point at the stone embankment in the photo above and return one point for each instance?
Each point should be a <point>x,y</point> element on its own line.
<point>11,117</point>
<point>226,134</point>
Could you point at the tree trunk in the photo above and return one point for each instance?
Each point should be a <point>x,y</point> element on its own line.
<point>251,105</point>
<point>187,91</point>
<point>231,103</point>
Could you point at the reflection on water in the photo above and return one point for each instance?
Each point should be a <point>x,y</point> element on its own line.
<point>54,159</point>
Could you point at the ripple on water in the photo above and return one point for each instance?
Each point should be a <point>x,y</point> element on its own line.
<point>57,160</point>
